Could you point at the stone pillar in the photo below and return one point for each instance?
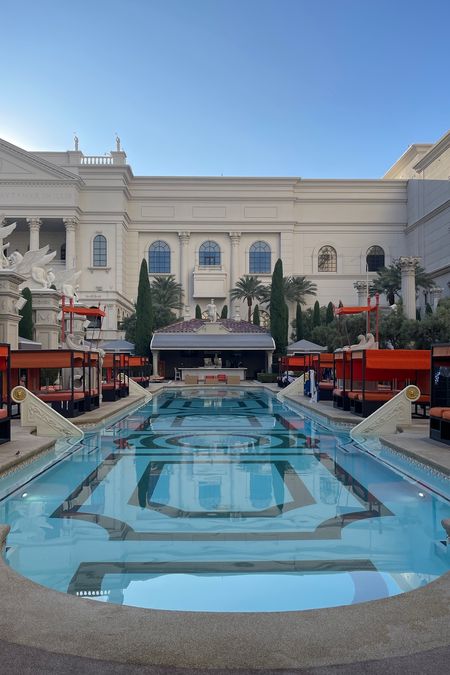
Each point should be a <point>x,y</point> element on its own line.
<point>184,261</point>
<point>436,294</point>
<point>408,269</point>
<point>45,316</point>
<point>361,290</point>
<point>34,225</point>
<point>9,314</point>
<point>155,356</point>
<point>269,361</point>
<point>71,255</point>
<point>235,238</point>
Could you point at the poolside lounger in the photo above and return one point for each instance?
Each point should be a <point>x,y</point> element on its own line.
<point>222,377</point>
<point>440,424</point>
<point>211,379</point>
<point>190,379</point>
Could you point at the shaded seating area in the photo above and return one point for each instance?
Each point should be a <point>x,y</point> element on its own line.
<point>5,389</point>
<point>323,366</point>
<point>60,377</point>
<point>140,370</point>
<point>116,371</point>
<point>341,380</point>
<point>378,375</point>
<point>440,394</point>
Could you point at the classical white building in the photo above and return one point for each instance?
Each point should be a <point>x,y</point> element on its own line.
<point>208,232</point>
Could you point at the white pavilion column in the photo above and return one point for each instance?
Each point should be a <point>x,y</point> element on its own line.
<point>269,356</point>
<point>361,290</point>
<point>235,238</point>
<point>71,227</point>
<point>184,264</point>
<point>408,269</point>
<point>34,225</point>
<point>155,356</point>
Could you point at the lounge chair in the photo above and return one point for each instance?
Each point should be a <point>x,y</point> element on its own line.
<point>234,379</point>
<point>211,379</point>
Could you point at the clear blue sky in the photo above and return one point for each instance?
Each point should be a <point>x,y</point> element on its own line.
<point>312,88</point>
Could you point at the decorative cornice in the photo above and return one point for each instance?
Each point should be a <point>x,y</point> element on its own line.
<point>438,148</point>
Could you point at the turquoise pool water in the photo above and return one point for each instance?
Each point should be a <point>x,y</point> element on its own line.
<point>226,500</point>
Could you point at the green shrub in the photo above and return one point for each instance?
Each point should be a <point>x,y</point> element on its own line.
<point>266,377</point>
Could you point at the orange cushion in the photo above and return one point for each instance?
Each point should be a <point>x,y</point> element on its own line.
<point>446,414</point>
<point>61,396</point>
<point>353,394</point>
<point>437,412</point>
<point>3,413</point>
<point>376,396</point>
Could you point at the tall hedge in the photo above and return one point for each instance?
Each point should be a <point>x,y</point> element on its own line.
<point>256,317</point>
<point>26,327</point>
<point>316,314</point>
<point>198,312</point>
<point>279,313</point>
<point>330,313</point>
<point>224,312</point>
<point>144,313</point>
<point>299,330</point>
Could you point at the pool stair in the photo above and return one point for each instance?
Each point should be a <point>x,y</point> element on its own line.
<point>37,413</point>
<point>393,414</point>
<point>295,388</point>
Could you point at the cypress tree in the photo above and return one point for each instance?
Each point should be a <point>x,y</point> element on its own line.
<point>330,313</point>
<point>198,312</point>
<point>224,312</point>
<point>316,314</point>
<point>26,322</point>
<point>299,330</point>
<point>428,309</point>
<point>144,313</point>
<point>256,319</point>
<point>279,313</point>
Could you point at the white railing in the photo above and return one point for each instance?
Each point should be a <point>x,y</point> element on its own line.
<point>296,388</point>
<point>393,414</point>
<point>48,422</point>
<point>97,159</point>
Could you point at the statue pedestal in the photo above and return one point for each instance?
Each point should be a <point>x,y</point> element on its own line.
<point>45,316</point>
<point>9,315</point>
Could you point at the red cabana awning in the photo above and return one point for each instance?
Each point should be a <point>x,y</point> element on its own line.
<point>84,311</point>
<point>355,310</point>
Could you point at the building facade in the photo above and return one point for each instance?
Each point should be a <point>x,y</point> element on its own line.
<point>210,231</point>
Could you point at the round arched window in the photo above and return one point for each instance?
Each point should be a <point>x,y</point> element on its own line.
<point>260,258</point>
<point>159,258</point>
<point>99,251</point>
<point>327,259</point>
<point>209,254</point>
<point>375,258</point>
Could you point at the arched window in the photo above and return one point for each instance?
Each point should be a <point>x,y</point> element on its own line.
<point>209,254</point>
<point>375,258</point>
<point>159,258</point>
<point>99,251</point>
<point>327,259</point>
<point>260,258</point>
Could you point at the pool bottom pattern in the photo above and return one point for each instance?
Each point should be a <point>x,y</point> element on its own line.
<point>230,496</point>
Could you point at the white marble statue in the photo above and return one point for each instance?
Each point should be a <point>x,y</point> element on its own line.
<point>5,231</point>
<point>66,283</point>
<point>33,266</point>
<point>212,311</point>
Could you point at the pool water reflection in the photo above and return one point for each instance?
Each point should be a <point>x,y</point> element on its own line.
<point>225,500</point>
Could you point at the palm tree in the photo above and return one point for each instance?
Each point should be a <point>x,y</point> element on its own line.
<point>295,290</point>
<point>297,287</point>
<point>248,288</point>
<point>167,293</point>
<point>389,281</point>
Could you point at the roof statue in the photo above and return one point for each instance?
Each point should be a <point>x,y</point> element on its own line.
<point>33,266</point>
<point>118,149</point>
<point>75,141</point>
<point>5,231</point>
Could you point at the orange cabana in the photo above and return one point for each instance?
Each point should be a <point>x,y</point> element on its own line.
<point>56,376</point>
<point>140,369</point>
<point>341,380</point>
<point>377,375</point>
<point>323,365</point>
<point>116,372</point>
<point>440,393</point>
<point>5,396</point>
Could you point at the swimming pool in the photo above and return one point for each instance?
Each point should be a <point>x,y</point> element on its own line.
<point>225,500</point>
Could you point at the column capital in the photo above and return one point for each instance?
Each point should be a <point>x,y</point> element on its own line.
<point>34,223</point>
<point>436,291</point>
<point>408,263</point>
<point>184,237</point>
<point>70,223</point>
<point>235,237</point>
<point>360,286</point>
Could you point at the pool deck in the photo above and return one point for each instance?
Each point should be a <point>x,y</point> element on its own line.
<point>42,630</point>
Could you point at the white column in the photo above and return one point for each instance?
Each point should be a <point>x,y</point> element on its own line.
<point>361,290</point>
<point>235,238</point>
<point>408,269</point>
<point>155,356</point>
<point>184,261</point>
<point>71,226</point>
<point>269,361</point>
<point>34,225</point>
